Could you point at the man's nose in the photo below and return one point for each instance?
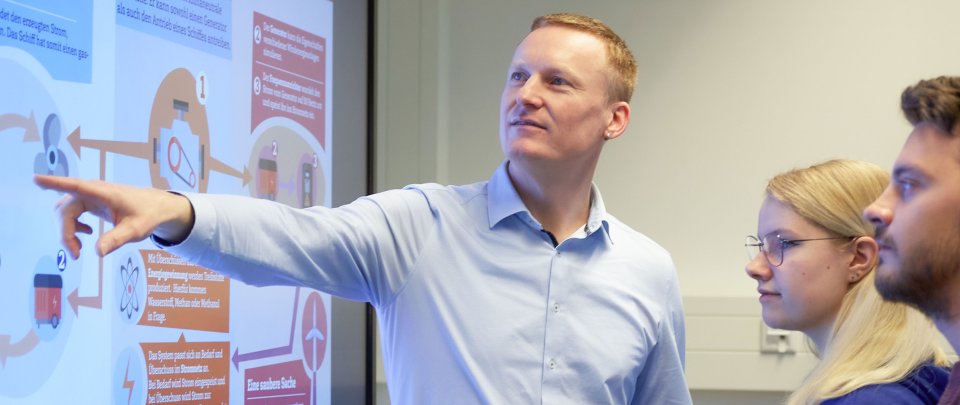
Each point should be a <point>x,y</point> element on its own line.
<point>529,93</point>
<point>880,211</point>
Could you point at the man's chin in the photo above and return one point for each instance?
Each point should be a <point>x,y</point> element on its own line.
<point>888,282</point>
<point>890,292</point>
<point>927,296</point>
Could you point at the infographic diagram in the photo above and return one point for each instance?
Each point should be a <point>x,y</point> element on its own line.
<point>180,95</point>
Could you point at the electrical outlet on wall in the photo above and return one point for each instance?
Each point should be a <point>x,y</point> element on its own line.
<point>778,341</point>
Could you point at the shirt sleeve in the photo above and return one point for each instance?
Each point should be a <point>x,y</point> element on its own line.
<point>360,251</point>
<point>662,380</point>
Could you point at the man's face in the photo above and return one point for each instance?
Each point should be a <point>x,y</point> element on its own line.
<point>555,102</point>
<point>918,223</point>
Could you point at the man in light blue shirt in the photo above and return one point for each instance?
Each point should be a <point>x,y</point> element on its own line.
<point>521,289</point>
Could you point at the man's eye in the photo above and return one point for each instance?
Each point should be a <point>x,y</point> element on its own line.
<point>558,81</point>
<point>518,76</point>
<point>905,186</point>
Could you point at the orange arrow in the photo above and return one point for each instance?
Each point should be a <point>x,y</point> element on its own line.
<point>95,302</point>
<point>142,150</point>
<point>24,346</point>
<point>91,302</point>
<point>29,124</point>
<point>218,166</point>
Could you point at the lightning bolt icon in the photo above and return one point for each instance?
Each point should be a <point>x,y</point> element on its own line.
<point>128,383</point>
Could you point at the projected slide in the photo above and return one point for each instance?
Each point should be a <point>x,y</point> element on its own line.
<point>187,95</point>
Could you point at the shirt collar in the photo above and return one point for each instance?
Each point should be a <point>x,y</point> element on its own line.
<point>503,201</point>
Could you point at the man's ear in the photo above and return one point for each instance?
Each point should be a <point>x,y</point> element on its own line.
<point>865,251</point>
<point>618,120</point>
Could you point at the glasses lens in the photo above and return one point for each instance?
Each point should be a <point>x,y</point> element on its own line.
<point>773,249</point>
<point>753,247</point>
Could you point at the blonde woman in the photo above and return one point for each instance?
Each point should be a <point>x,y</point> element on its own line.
<point>813,260</point>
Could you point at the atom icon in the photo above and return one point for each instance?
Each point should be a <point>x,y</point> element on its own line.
<point>128,301</point>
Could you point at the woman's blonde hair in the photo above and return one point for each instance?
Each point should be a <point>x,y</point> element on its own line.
<point>873,341</point>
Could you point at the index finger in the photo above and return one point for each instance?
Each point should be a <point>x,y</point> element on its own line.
<point>58,183</point>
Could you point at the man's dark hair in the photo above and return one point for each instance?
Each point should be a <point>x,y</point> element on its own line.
<point>933,101</point>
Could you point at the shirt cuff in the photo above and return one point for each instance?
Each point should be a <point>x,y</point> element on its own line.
<point>161,242</point>
<point>164,243</point>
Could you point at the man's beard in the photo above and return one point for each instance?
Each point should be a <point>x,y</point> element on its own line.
<point>924,275</point>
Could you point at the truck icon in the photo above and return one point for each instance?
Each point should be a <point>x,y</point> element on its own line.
<point>47,298</point>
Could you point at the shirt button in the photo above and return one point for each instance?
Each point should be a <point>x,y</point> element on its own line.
<point>552,365</point>
<point>556,307</point>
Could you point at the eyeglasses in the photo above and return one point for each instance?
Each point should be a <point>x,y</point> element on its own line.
<point>773,246</point>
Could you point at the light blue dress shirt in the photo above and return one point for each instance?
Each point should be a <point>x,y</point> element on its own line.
<point>475,303</point>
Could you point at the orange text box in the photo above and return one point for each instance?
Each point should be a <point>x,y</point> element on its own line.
<point>182,295</point>
<point>187,373</point>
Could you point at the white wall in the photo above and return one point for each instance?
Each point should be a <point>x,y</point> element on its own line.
<point>729,94</point>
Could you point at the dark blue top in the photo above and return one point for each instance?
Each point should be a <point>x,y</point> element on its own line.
<point>923,386</point>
